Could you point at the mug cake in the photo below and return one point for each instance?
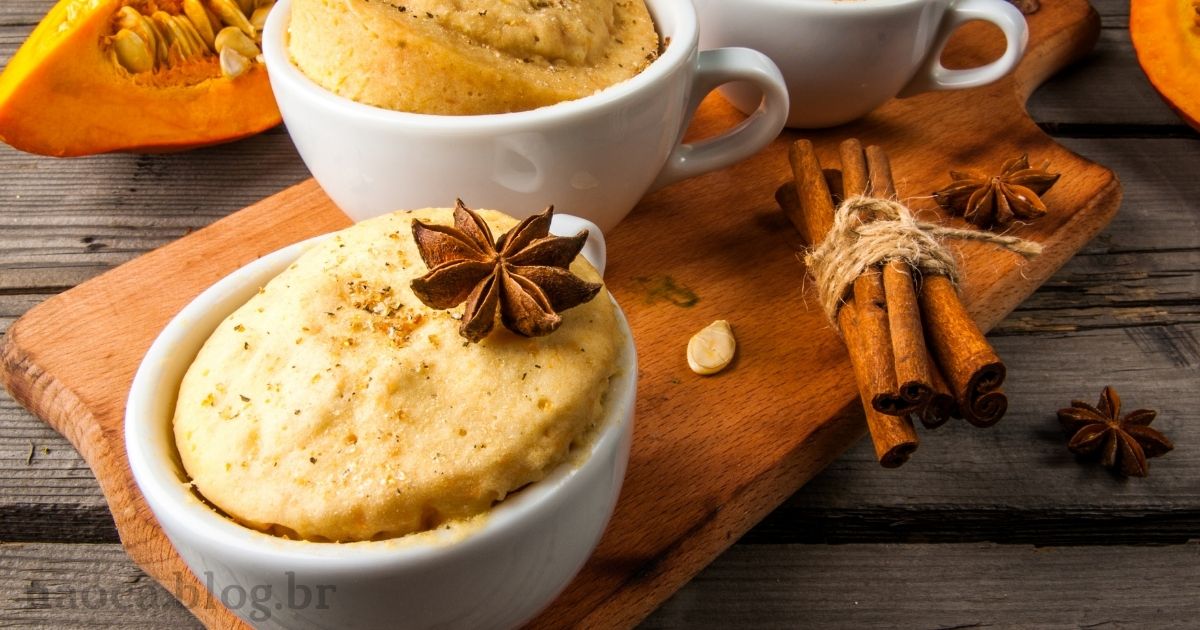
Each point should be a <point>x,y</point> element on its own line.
<point>469,57</point>
<point>335,405</point>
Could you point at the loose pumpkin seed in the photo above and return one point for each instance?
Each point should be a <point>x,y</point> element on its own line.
<point>132,51</point>
<point>711,349</point>
<point>233,64</point>
<point>198,16</point>
<point>231,37</point>
<point>231,14</point>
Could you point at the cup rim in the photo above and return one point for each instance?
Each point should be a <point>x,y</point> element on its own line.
<point>171,500</point>
<point>681,44</point>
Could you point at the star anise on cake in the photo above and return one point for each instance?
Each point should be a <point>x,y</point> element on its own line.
<point>524,276</point>
<point>1014,194</point>
<point>1123,443</point>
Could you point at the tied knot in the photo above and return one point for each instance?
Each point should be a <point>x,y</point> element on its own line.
<point>867,231</point>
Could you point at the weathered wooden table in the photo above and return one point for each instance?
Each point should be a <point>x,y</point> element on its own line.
<point>984,528</point>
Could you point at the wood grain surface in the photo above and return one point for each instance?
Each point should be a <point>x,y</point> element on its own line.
<point>92,586</point>
<point>718,236</point>
<point>72,220</point>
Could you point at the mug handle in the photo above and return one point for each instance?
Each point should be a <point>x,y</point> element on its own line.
<point>713,69</point>
<point>934,76</point>
<point>595,250</point>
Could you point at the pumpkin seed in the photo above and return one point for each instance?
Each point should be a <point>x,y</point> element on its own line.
<point>175,54</point>
<point>129,19</point>
<point>198,16</point>
<point>174,35</point>
<point>194,39</point>
<point>711,349</point>
<point>132,51</point>
<point>231,37</point>
<point>231,14</point>
<point>233,64</point>
<point>159,40</point>
<point>259,18</point>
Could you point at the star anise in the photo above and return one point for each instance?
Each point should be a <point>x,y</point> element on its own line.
<point>999,200</point>
<point>524,276</point>
<point>1123,443</point>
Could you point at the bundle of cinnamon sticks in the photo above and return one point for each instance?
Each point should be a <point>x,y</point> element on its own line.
<point>915,350</point>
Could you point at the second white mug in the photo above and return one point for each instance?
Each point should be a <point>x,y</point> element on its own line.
<point>843,58</point>
<point>593,157</point>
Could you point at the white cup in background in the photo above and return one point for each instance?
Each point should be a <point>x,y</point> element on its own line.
<point>593,157</point>
<point>843,58</point>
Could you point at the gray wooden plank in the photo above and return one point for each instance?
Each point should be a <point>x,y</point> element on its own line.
<point>13,306</point>
<point>23,13</point>
<point>1016,482</point>
<point>82,586</point>
<point>1107,88</point>
<point>47,493</point>
<point>66,221</point>
<point>940,586</point>
<point>1143,270</point>
<point>1113,13</point>
<point>750,586</point>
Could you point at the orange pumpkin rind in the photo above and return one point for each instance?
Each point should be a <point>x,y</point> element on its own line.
<point>64,94</point>
<point>1166,38</point>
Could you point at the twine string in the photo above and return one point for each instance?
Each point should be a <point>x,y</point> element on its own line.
<point>869,230</point>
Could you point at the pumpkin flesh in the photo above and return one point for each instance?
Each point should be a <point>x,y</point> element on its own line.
<point>65,94</point>
<point>1166,38</point>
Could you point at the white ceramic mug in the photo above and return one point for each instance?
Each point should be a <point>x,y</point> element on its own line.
<point>593,157</point>
<point>843,58</point>
<point>497,575</point>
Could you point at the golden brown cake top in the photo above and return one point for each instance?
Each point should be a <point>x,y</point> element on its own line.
<point>470,56</point>
<point>334,405</point>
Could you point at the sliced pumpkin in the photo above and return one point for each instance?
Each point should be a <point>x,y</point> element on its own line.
<point>1166,37</point>
<point>137,75</point>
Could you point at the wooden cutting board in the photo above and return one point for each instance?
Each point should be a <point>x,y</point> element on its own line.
<point>711,455</point>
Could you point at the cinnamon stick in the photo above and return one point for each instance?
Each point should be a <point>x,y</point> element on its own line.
<point>856,179</point>
<point>970,365</point>
<point>974,371</point>
<point>813,214</point>
<point>879,168</point>
<point>893,436</point>
<point>912,364</point>
<point>941,405</point>
<point>868,299</point>
<point>908,339</point>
